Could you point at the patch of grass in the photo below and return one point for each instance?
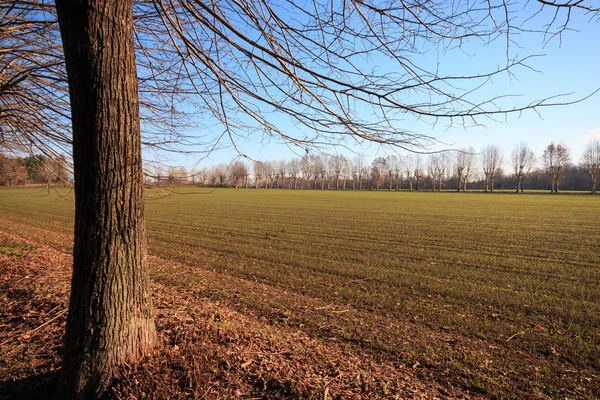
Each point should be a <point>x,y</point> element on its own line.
<point>16,249</point>
<point>497,294</point>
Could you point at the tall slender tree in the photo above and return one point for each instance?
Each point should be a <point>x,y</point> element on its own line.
<point>591,162</point>
<point>491,161</point>
<point>556,159</point>
<point>523,160</point>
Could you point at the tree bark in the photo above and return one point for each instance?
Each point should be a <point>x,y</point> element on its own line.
<point>110,319</point>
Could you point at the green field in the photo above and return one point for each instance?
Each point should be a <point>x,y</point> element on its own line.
<point>498,294</point>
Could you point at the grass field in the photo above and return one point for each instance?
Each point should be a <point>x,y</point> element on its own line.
<point>496,294</point>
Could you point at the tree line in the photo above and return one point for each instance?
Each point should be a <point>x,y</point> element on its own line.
<point>466,169</point>
<point>34,169</point>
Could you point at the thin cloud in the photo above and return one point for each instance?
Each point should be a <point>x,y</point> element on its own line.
<point>592,134</point>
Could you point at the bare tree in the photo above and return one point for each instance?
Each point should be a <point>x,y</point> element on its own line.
<point>409,167</point>
<point>235,63</point>
<point>463,163</point>
<point>294,168</point>
<point>260,171</point>
<point>378,168</point>
<point>523,160</point>
<point>336,166</point>
<point>491,161</point>
<point>307,170</point>
<point>282,171</point>
<point>418,171</point>
<point>392,166</point>
<point>437,169</point>
<point>556,159</point>
<point>469,159</point>
<point>345,170</point>
<point>239,172</point>
<point>591,162</point>
<point>359,170</point>
<point>12,171</point>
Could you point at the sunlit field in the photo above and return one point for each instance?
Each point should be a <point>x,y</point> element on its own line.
<point>498,294</point>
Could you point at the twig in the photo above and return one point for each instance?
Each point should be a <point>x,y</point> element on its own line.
<point>38,328</point>
<point>326,389</point>
<point>359,280</point>
<point>515,335</point>
<point>325,307</point>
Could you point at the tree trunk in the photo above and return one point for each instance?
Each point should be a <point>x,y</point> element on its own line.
<point>110,319</point>
<point>522,183</point>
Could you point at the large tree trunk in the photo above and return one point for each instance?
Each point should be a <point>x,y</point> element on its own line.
<point>110,319</point>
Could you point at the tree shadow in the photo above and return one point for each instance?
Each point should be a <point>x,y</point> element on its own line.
<point>35,386</point>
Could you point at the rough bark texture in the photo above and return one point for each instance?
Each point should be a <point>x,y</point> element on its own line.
<point>110,318</point>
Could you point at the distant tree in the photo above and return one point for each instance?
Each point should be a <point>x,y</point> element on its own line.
<point>418,171</point>
<point>336,166</point>
<point>437,169</point>
<point>358,165</point>
<point>491,161</point>
<point>463,164</point>
<point>239,173</point>
<point>523,161</point>
<point>35,168</point>
<point>12,171</point>
<point>282,172</point>
<point>591,162</point>
<point>294,169</point>
<point>307,169</point>
<point>319,169</point>
<point>260,171</point>
<point>345,170</point>
<point>392,166</point>
<point>556,159</point>
<point>182,176</point>
<point>409,168</point>
<point>378,168</point>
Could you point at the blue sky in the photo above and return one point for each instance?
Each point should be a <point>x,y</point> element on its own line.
<point>570,64</point>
